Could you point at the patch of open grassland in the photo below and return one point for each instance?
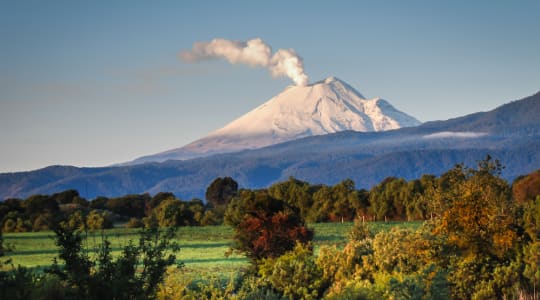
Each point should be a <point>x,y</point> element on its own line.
<point>202,249</point>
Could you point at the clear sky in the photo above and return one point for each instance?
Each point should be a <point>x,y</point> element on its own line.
<point>93,83</point>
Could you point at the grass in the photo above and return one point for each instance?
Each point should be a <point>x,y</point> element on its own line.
<point>202,249</point>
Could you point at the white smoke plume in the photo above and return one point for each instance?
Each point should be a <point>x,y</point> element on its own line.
<point>255,53</point>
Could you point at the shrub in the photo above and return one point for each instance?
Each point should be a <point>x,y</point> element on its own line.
<point>295,274</point>
<point>135,274</point>
<point>348,266</point>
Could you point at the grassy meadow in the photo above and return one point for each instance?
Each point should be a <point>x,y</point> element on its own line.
<point>202,249</point>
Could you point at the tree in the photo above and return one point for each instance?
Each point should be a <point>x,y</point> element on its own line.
<point>221,191</point>
<point>156,200</point>
<point>129,205</point>
<point>10,205</point>
<point>345,199</point>
<point>388,199</point>
<point>41,210</point>
<point>531,219</point>
<point>197,209</point>
<point>294,192</point>
<point>526,188</point>
<point>337,203</point>
<point>38,204</point>
<point>531,251</point>
<point>66,197</point>
<point>322,204</point>
<point>77,220</point>
<point>99,203</point>
<point>264,226</point>
<point>476,220</point>
<point>172,212</point>
<point>98,220</point>
<point>475,212</point>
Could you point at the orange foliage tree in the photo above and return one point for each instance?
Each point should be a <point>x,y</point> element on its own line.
<point>526,188</point>
<point>475,212</point>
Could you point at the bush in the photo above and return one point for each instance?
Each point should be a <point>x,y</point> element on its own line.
<point>348,266</point>
<point>295,274</point>
<point>135,274</point>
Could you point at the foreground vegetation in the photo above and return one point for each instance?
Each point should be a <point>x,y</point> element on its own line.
<point>480,239</point>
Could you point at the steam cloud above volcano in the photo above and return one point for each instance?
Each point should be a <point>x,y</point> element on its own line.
<point>255,53</point>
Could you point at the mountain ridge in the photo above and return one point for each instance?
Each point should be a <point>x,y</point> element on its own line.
<point>327,106</point>
<point>511,135</point>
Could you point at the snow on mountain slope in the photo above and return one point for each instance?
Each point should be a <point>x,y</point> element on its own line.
<point>324,107</point>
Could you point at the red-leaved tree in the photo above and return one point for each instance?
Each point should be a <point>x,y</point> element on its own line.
<point>268,227</point>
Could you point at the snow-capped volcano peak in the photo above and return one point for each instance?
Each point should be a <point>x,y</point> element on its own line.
<point>338,84</point>
<point>327,106</point>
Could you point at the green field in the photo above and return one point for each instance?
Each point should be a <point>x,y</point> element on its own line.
<point>202,249</point>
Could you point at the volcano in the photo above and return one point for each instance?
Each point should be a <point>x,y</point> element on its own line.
<point>327,106</point>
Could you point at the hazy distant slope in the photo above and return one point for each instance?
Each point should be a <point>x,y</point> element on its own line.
<point>520,115</point>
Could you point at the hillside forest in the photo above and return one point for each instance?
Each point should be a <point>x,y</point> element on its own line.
<point>480,239</point>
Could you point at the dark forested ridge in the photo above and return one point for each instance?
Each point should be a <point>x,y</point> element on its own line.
<point>511,133</point>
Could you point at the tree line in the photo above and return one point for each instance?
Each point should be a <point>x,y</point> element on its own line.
<point>391,199</point>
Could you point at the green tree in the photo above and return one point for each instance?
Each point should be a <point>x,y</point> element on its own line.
<point>99,203</point>
<point>66,197</point>
<point>129,205</point>
<point>16,222</point>
<point>173,212</point>
<point>77,220</point>
<point>221,191</point>
<point>345,199</point>
<point>10,206</point>
<point>294,192</point>
<point>96,220</point>
<point>218,195</point>
<point>156,200</point>
<point>388,199</point>
<point>41,210</point>
<point>531,219</point>
<point>531,249</point>
<point>322,205</point>
<point>197,209</point>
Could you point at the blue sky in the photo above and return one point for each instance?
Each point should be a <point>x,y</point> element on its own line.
<point>92,83</point>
